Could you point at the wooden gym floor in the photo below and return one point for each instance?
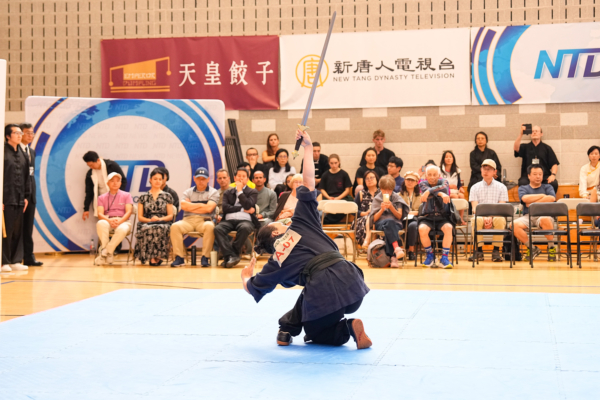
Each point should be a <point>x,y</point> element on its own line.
<point>69,278</point>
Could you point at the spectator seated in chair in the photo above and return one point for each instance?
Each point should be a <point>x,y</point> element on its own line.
<point>435,215</point>
<point>535,192</point>
<point>239,214</point>
<point>451,173</point>
<point>114,210</point>
<point>287,202</point>
<point>363,200</point>
<point>387,212</point>
<point>335,185</point>
<point>489,191</point>
<point>266,200</point>
<point>198,204</point>
<point>411,195</point>
<point>280,170</point>
<point>155,215</point>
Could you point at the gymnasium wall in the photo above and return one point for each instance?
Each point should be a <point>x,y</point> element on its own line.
<point>53,49</point>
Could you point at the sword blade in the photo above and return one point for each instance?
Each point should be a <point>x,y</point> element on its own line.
<point>318,75</point>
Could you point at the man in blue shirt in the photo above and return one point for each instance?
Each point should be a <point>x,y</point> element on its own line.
<point>535,192</point>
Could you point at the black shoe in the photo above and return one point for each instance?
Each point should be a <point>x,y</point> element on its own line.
<point>284,338</point>
<point>357,331</point>
<point>224,262</point>
<point>204,262</point>
<point>33,263</point>
<point>178,262</point>
<point>496,256</point>
<point>232,262</point>
<point>479,257</point>
<point>412,256</point>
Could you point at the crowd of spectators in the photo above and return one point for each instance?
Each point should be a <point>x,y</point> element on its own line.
<point>417,202</point>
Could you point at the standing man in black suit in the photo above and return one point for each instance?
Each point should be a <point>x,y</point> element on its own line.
<point>28,217</point>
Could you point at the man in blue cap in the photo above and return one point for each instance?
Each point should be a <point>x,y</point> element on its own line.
<point>198,204</point>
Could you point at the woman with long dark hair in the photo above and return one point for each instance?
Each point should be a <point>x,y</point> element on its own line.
<point>482,152</point>
<point>280,169</point>
<point>304,255</point>
<point>451,173</point>
<point>155,215</point>
<point>268,156</point>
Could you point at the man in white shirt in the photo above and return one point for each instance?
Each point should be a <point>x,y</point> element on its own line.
<point>489,191</point>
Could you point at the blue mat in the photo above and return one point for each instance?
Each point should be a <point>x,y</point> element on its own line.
<point>219,344</point>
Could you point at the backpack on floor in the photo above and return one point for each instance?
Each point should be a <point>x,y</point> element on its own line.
<point>376,254</point>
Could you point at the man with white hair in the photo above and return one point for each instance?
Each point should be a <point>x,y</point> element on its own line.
<point>536,153</point>
<point>435,196</point>
<point>114,210</point>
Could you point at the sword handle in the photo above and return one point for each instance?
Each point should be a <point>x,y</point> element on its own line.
<point>295,153</point>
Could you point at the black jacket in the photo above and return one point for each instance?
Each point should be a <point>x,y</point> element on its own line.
<point>260,167</point>
<point>476,158</point>
<point>16,186</point>
<point>247,201</point>
<point>111,166</point>
<point>33,187</point>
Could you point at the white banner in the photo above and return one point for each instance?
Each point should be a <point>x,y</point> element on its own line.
<point>377,69</point>
<point>536,64</point>
<point>139,135</point>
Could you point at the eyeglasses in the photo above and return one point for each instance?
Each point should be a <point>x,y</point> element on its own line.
<point>252,154</point>
<point>371,178</point>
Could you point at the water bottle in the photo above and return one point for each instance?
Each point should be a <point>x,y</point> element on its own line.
<point>92,249</point>
<point>504,175</point>
<point>193,255</point>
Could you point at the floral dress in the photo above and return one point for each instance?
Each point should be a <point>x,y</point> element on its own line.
<point>152,240</point>
<point>361,222</point>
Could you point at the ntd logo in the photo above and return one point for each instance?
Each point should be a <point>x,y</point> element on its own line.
<point>555,68</point>
<point>133,165</point>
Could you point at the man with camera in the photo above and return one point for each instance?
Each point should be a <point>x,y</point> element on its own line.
<point>536,153</point>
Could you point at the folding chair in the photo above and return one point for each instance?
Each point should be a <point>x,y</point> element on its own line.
<point>591,210</point>
<point>463,205</point>
<point>554,210</point>
<point>348,208</point>
<point>494,210</point>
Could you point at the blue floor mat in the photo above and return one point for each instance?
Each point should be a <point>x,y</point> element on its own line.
<point>220,344</point>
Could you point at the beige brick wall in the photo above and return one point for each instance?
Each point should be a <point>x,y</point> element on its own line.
<point>53,48</point>
<point>422,133</point>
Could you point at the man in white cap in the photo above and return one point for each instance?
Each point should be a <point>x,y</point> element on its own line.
<point>489,191</point>
<point>198,204</point>
<point>114,210</point>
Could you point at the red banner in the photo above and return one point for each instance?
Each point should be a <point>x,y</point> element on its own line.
<point>242,71</point>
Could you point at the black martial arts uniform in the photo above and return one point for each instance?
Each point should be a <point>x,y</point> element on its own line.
<point>29,216</point>
<point>335,286</point>
<point>16,189</point>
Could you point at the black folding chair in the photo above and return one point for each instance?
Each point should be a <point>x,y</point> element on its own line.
<point>591,210</point>
<point>554,210</point>
<point>494,210</point>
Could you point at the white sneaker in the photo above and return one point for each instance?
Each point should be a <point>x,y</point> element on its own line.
<point>100,260</point>
<point>19,267</point>
<point>6,268</point>
<point>109,258</point>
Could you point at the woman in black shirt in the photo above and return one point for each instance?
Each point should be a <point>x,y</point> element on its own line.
<point>335,185</point>
<point>480,153</point>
